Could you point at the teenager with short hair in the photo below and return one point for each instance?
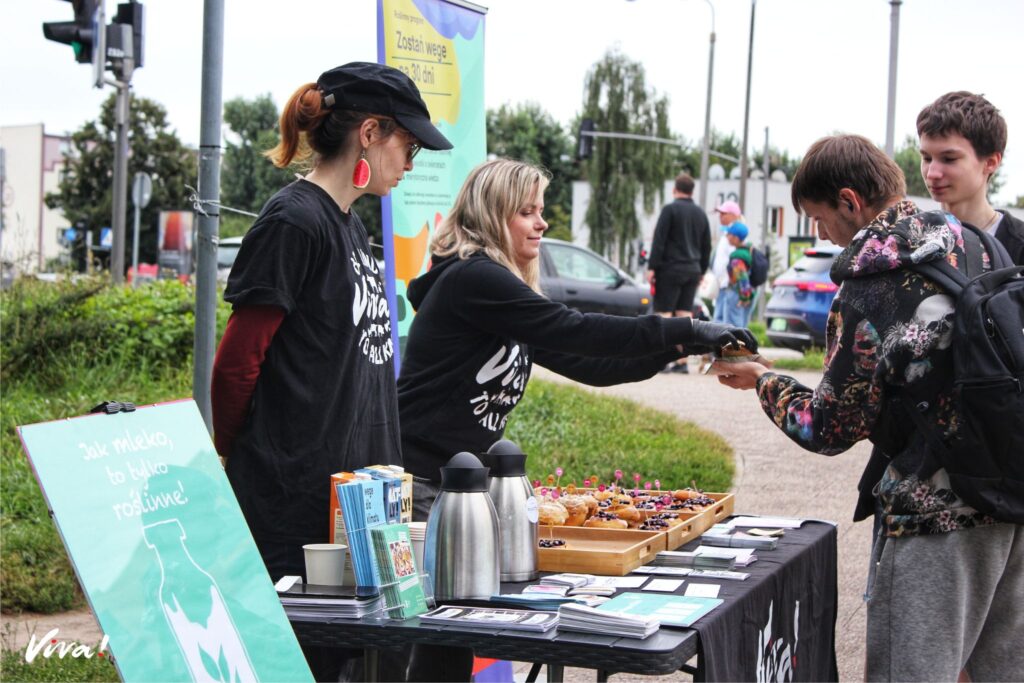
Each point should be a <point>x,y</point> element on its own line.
<point>963,138</point>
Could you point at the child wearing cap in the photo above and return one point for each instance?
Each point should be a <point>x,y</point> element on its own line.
<point>739,294</point>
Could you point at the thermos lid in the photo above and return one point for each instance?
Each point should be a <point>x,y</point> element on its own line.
<point>464,473</point>
<point>506,459</point>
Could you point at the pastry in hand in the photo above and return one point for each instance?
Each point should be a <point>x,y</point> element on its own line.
<point>552,513</point>
<point>605,520</point>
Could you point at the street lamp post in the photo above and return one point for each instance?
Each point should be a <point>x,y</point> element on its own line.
<point>746,111</point>
<point>706,148</point>
<point>894,46</point>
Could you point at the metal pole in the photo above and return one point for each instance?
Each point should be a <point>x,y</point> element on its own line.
<point>135,246</point>
<point>705,150</point>
<point>894,46</point>
<point>765,169</point>
<point>746,111</point>
<point>120,181</point>
<point>209,218</point>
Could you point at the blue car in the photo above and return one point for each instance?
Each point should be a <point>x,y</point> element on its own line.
<point>801,297</point>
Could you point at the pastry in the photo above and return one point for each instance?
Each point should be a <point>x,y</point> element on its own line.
<point>551,513</point>
<point>577,510</point>
<point>671,518</point>
<point>551,543</point>
<point>591,504</point>
<point>604,520</point>
<point>628,513</point>
<point>603,495</point>
<point>654,524</point>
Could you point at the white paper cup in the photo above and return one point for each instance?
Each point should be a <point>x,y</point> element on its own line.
<point>418,534</point>
<point>325,563</point>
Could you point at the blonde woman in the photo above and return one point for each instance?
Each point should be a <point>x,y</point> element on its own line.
<point>482,322</point>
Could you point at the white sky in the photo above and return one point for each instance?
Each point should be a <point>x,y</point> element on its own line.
<point>820,66</point>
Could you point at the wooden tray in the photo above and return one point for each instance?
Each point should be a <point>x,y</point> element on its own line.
<point>609,552</point>
<point>726,503</point>
<point>681,534</point>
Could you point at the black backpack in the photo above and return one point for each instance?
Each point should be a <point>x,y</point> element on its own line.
<point>985,459</point>
<point>758,267</point>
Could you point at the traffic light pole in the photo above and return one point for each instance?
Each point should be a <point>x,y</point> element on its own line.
<point>120,209</point>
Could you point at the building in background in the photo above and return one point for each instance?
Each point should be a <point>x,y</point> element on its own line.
<point>32,163</point>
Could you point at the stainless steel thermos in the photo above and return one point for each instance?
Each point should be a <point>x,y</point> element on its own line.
<point>516,506</point>
<point>462,543</point>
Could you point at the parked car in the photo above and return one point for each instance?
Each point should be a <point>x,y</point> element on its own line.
<point>801,297</point>
<point>570,274</point>
<point>227,250</point>
<point>581,279</point>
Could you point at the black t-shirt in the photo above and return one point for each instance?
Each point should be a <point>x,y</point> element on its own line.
<point>478,329</point>
<point>682,240</point>
<point>325,400</point>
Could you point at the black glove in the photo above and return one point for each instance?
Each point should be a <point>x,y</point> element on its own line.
<point>712,337</point>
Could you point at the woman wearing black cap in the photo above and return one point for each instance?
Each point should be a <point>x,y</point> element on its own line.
<point>304,381</point>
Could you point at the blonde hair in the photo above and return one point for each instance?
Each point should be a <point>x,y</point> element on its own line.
<point>492,194</point>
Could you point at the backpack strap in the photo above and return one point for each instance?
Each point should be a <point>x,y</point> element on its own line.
<point>996,251</point>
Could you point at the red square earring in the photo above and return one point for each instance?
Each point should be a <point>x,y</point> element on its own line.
<point>361,174</point>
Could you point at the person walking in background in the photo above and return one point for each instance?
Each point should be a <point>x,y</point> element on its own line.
<point>739,293</point>
<point>304,380</point>
<point>680,253</point>
<point>728,213</point>
<point>946,580</point>
<point>963,138</point>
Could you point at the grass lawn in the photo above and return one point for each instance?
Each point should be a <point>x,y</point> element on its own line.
<point>52,370</point>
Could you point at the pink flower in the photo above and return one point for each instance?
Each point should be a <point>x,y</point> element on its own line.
<point>647,485</point>
<point>558,471</point>
<point>586,483</point>
<point>636,477</point>
<point>601,487</point>
<point>555,493</point>
<point>536,483</point>
<point>618,475</point>
<point>657,484</point>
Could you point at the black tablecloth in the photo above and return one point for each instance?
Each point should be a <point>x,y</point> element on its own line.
<point>778,625</point>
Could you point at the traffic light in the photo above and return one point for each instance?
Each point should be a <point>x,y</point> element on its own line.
<point>585,143</point>
<point>80,34</point>
<point>130,13</point>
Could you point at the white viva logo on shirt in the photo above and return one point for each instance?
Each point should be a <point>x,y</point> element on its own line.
<point>513,365</point>
<point>370,311</point>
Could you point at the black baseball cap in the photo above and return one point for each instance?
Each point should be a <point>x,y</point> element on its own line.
<point>379,89</point>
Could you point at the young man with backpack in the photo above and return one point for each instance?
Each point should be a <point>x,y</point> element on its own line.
<point>946,579</point>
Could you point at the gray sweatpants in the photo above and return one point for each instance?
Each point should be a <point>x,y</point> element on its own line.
<point>939,603</point>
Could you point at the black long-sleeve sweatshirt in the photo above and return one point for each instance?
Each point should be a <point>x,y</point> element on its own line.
<point>477,331</point>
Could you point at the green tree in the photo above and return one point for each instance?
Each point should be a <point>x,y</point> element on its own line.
<point>1019,204</point>
<point>616,97</point>
<point>528,133</point>
<point>249,179</point>
<point>85,192</point>
<point>777,160</point>
<point>908,158</point>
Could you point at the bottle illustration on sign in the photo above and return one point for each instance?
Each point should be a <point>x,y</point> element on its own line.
<point>195,610</point>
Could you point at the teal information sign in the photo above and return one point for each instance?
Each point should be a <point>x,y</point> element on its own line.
<point>161,548</point>
<point>440,46</point>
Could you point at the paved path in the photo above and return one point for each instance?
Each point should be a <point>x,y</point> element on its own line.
<point>774,476</point>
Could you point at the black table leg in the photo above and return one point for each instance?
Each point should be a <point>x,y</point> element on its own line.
<point>371,659</point>
<point>555,673</point>
<point>602,675</point>
<point>534,672</point>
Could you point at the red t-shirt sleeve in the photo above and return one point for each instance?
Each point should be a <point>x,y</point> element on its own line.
<point>237,367</point>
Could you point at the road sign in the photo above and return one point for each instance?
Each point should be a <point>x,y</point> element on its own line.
<point>142,189</point>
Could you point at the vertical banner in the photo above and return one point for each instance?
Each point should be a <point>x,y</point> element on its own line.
<point>161,548</point>
<point>440,45</point>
